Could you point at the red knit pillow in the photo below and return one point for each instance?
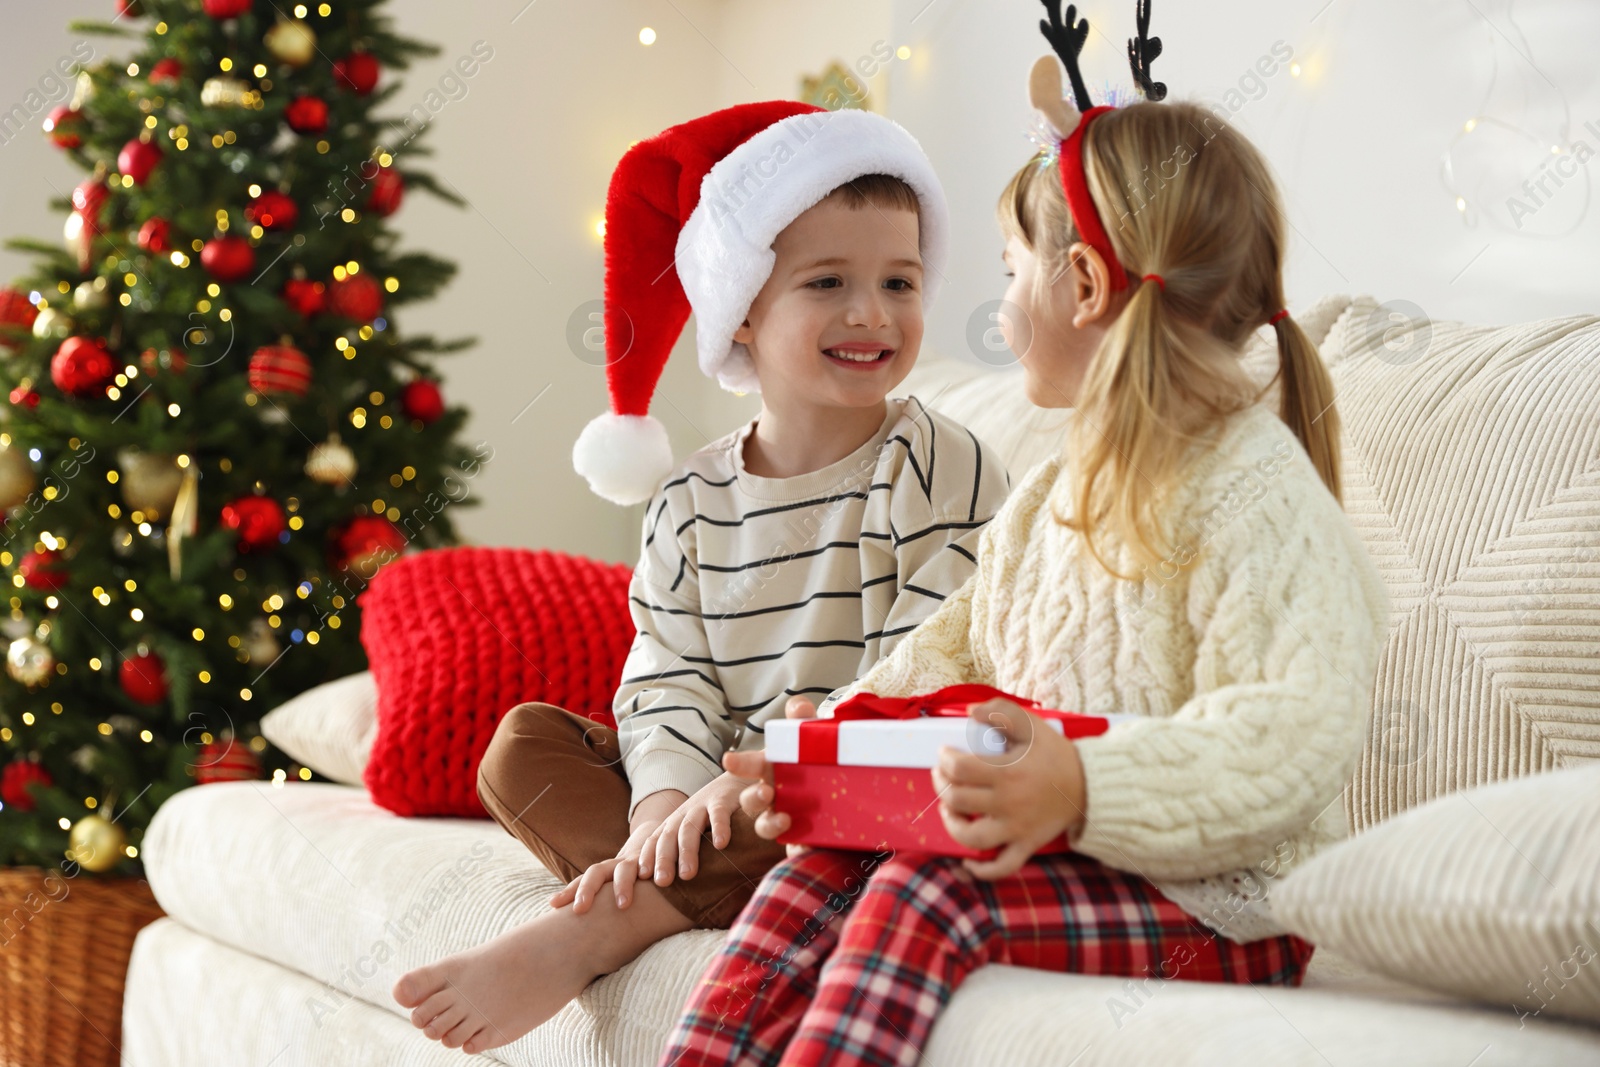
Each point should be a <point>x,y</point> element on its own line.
<point>458,636</point>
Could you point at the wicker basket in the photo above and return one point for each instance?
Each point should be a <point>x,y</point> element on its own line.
<point>64,945</point>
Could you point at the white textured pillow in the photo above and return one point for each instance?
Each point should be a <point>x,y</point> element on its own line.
<point>329,728</point>
<point>1470,475</point>
<point>1491,893</point>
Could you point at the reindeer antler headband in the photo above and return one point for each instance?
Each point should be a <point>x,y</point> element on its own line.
<point>1067,122</point>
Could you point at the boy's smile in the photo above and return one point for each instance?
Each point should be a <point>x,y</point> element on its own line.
<point>860,353</point>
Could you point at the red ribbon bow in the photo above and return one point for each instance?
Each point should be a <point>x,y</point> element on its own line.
<point>952,701</point>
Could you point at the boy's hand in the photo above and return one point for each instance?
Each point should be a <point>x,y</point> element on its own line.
<point>1024,798</point>
<point>756,800</point>
<point>623,868</point>
<point>674,846</point>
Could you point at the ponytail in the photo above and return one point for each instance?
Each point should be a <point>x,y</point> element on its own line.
<point>1115,431</point>
<point>1152,390</point>
<point>1307,405</point>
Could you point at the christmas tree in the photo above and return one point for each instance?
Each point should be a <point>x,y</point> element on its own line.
<point>215,434</point>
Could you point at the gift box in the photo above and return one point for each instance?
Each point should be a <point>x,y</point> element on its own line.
<point>861,778</point>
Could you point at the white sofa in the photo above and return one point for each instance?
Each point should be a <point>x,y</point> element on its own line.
<point>292,909</point>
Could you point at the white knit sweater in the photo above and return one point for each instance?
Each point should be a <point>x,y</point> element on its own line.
<point>1249,658</point>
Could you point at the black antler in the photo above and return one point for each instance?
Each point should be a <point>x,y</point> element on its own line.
<point>1142,51</point>
<point>1067,41</point>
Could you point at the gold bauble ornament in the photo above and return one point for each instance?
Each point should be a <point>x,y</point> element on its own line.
<point>72,232</point>
<point>90,295</point>
<point>95,843</point>
<point>331,463</point>
<point>223,91</point>
<point>122,540</point>
<point>261,643</point>
<point>290,42</point>
<point>52,323</point>
<point>16,477</point>
<point>29,660</point>
<point>150,481</point>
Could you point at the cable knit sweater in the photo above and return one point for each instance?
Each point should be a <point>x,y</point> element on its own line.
<point>1249,657</point>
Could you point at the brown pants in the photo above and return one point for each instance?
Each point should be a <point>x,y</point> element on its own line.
<point>554,780</point>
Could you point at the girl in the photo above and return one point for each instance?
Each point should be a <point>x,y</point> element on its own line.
<point>1184,559</point>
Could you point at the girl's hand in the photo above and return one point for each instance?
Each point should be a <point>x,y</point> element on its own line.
<point>757,797</point>
<point>1023,798</point>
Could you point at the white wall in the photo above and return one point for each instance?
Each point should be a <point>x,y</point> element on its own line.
<point>1357,141</point>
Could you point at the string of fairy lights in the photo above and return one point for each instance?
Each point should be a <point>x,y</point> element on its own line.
<point>28,657</point>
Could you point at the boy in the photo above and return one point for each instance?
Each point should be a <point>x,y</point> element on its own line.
<point>777,563</point>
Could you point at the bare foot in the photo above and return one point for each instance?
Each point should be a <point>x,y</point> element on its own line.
<point>491,995</point>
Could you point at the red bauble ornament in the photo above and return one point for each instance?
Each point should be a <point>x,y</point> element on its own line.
<point>306,114</point>
<point>28,398</point>
<point>305,296</point>
<point>16,310</point>
<point>89,198</point>
<point>272,210</point>
<point>166,72</point>
<point>421,400</point>
<point>137,159</point>
<point>280,369</point>
<point>357,72</point>
<point>15,780</point>
<point>41,569</point>
<point>156,236</point>
<point>357,296</point>
<point>226,761</point>
<point>257,519</point>
<point>144,678</point>
<point>64,125</point>
<point>228,258</point>
<point>82,366</point>
<point>387,189</point>
<point>366,543</point>
<point>130,8</point>
<point>226,9</point>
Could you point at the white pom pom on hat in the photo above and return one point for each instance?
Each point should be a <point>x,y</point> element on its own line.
<point>691,215</point>
<point>624,456</point>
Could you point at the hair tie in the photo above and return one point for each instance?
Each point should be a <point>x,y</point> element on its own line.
<point>1158,279</point>
<point>1278,316</point>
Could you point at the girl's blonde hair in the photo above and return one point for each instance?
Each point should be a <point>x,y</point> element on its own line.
<point>1182,195</point>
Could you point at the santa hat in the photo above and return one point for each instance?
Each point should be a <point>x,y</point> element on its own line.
<point>690,220</point>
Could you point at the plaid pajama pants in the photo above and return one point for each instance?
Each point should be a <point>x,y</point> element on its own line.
<point>848,957</point>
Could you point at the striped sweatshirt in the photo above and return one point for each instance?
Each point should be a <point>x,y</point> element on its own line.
<point>750,589</point>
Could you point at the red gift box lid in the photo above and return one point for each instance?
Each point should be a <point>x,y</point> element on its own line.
<point>873,731</point>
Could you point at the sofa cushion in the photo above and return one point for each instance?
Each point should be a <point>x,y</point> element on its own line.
<point>329,727</point>
<point>316,878</point>
<point>258,1012</point>
<point>458,636</point>
<point>1491,893</point>
<point>1471,473</point>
